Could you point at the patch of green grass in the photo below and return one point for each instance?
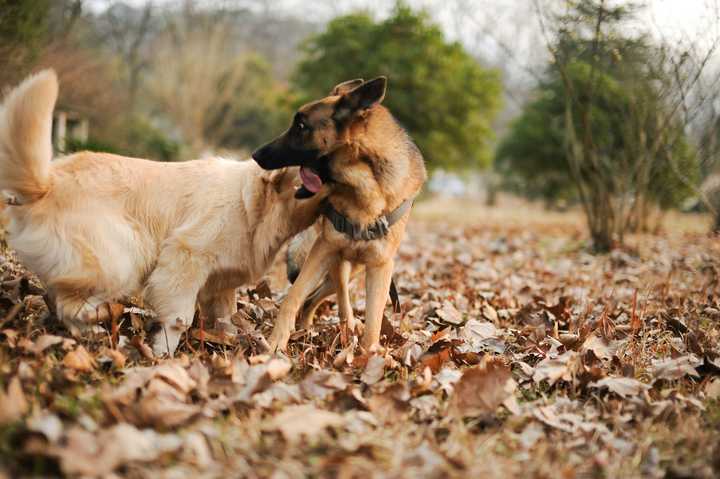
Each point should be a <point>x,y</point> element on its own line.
<point>74,405</point>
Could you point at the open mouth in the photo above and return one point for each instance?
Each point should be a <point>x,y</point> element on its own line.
<point>311,183</point>
<point>310,179</point>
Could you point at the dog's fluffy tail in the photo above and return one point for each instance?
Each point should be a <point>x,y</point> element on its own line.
<point>26,137</point>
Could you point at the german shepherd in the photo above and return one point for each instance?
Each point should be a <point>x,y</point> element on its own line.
<point>350,147</point>
<point>96,227</point>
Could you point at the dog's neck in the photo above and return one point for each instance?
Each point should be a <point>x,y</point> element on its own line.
<point>283,217</point>
<point>377,169</point>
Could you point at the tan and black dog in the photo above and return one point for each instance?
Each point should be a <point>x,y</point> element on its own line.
<point>350,144</point>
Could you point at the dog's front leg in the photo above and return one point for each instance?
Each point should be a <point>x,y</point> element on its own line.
<point>172,290</point>
<point>319,261</point>
<point>377,287</point>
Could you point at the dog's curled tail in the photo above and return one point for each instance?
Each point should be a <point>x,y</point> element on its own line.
<point>26,137</point>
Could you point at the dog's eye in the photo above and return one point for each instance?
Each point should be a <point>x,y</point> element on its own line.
<point>301,126</point>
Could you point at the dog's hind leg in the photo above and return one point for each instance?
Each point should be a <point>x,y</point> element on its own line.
<point>309,309</point>
<point>216,304</point>
<point>172,291</point>
<point>377,286</point>
<point>338,281</point>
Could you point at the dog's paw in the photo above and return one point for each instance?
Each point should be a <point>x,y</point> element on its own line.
<point>80,314</point>
<point>165,341</point>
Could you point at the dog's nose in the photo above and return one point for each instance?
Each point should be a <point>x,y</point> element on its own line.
<point>262,155</point>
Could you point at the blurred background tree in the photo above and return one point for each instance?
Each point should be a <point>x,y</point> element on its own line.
<point>622,111</point>
<point>443,96</point>
<point>533,158</point>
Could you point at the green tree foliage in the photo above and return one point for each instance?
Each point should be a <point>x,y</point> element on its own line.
<point>532,156</point>
<point>23,22</point>
<point>23,27</point>
<point>445,99</point>
<point>611,106</point>
<point>257,108</point>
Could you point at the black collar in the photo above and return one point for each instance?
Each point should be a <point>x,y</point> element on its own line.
<point>375,230</point>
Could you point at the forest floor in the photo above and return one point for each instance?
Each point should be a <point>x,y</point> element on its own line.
<point>518,353</point>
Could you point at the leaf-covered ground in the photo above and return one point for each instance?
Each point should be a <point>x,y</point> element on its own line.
<point>517,354</point>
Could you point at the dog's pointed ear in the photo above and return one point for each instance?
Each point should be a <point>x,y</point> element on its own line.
<point>361,98</point>
<point>346,86</point>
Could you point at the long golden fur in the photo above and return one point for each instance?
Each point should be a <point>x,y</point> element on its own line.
<point>97,227</point>
<point>368,166</point>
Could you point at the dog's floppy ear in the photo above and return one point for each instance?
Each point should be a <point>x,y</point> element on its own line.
<point>346,86</point>
<point>361,98</point>
<point>276,178</point>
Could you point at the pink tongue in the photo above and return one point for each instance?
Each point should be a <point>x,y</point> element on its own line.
<point>310,180</point>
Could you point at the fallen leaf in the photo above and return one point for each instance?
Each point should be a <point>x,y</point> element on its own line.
<point>625,387</point>
<point>392,405</point>
<point>82,453</point>
<point>45,341</point>
<point>165,410</point>
<point>13,404</point>
<point>446,378</point>
<point>712,390</point>
<point>79,360</point>
<point>483,388</point>
<point>47,424</point>
<point>490,313</point>
<point>278,368</point>
<point>675,368</point>
<point>553,369</point>
<point>374,370</point>
<point>303,421</point>
<point>321,384</point>
<point>449,314</point>
<point>481,336</point>
<point>117,357</point>
<point>601,347</point>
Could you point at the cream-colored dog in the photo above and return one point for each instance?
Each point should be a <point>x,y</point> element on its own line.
<point>97,227</point>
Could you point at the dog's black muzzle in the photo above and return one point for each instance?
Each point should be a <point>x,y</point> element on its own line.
<point>273,156</point>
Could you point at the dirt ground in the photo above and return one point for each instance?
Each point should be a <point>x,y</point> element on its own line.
<point>518,353</point>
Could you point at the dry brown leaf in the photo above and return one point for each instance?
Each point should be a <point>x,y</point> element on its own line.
<point>278,368</point>
<point>82,453</point>
<point>49,425</point>
<point>79,360</point>
<point>712,390</point>
<point>165,410</point>
<point>296,422</point>
<point>449,314</point>
<point>117,357</point>
<point>320,384</point>
<point>13,404</point>
<point>601,347</point>
<point>392,405</point>
<point>176,375</point>
<point>481,389</point>
<point>675,368</point>
<point>45,341</point>
<point>553,369</point>
<point>625,387</point>
<point>490,313</point>
<point>374,370</point>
